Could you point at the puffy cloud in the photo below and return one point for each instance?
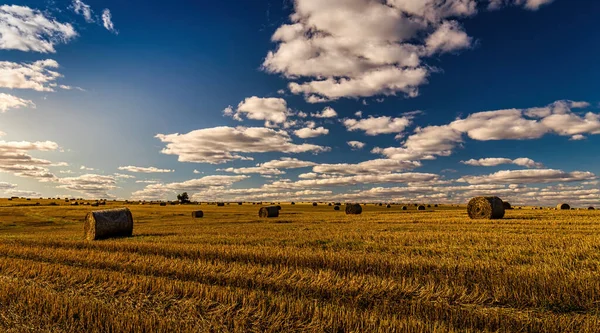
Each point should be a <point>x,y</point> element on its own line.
<point>36,76</point>
<point>92,185</point>
<point>327,112</point>
<point>257,170</point>
<point>287,163</point>
<point>529,176</point>
<point>83,167</point>
<point>522,161</point>
<point>529,4</point>
<point>8,102</point>
<point>511,124</point>
<point>378,166</point>
<point>361,48</point>
<point>6,186</point>
<point>308,175</point>
<point>271,109</point>
<point>107,21</point>
<point>164,191</point>
<point>221,144</point>
<point>378,125</point>
<point>356,145</point>
<point>307,132</point>
<point>14,158</point>
<point>26,29</point>
<point>359,114</point>
<point>83,9</point>
<point>123,176</point>
<point>131,168</point>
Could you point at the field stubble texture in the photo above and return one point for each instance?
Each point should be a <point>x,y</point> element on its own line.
<point>312,269</point>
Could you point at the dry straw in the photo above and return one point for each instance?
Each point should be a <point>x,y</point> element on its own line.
<point>270,211</point>
<point>485,208</point>
<point>353,209</point>
<point>108,223</point>
<point>563,206</point>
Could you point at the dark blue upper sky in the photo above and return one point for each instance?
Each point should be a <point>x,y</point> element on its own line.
<point>174,68</point>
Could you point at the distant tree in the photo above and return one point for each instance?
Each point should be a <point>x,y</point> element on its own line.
<point>183,198</point>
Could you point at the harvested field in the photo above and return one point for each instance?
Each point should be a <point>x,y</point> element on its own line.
<point>387,270</point>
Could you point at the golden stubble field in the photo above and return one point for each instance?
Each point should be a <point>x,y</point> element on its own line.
<point>312,269</point>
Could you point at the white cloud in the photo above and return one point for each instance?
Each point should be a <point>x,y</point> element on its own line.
<point>287,163</point>
<point>14,158</point>
<point>271,109</point>
<point>378,125</point>
<point>6,186</point>
<point>164,191</point>
<point>362,48</point>
<point>83,167</point>
<point>123,176</point>
<point>522,161</point>
<point>529,176</point>
<point>197,172</point>
<point>107,21</point>
<point>309,175</point>
<point>257,170</point>
<point>511,124</point>
<point>221,144</point>
<point>83,9</point>
<point>327,112</point>
<point>577,137</point>
<point>356,145</point>
<point>26,29</point>
<point>8,102</point>
<point>92,185</point>
<point>37,76</point>
<point>354,180</point>
<point>378,166</point>
<point>359,114</point>
<point>529,4</point>
<point>307,132</point>
<point>137,169</point>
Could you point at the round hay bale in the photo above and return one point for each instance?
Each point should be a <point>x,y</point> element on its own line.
<point>388,206</point>
<point>314,204</point>
<point>421,207</point>
<point>329,204</point>
<point>163,204</point>
<point>428,206</point>
<point>435,205</point>
<point>591,208</point>
<point>293,203</point>
<point>95,204</point>
<point>269,211</point>
<point>416,205</point>
<point>108,223</point>
<point>278,207</point>
<point>198,214</point>
<point>336,207</point>
<point>337,204</point>
<point>563,206</point>
<point>506,205</point>
<point>240,203</point>
<point>380,204</point>
<point>404,208</point>
<point>220,204</point>
<point>485,208</point>
<point>353,209</point>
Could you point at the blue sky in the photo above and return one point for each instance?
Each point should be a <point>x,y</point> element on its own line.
<point>354,100</point>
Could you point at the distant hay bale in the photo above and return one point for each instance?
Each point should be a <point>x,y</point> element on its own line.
<point>278,207</point>
<point>416,205</point>
<point>435,205</point>
<point>421,207</point>
<point>380,204</point>
<point>506,205</point>
<point>591,208</point>
<point>353,209</point>
<point>563,206</point>
<point>240,203</point>
<point>485,208</point>
<point>163,204</point>
<point>9,199</point>
<point>428,206</point>
<point>293,203</point>
<point>53,204</point>
<point>220,204</point>
<point>314,204</point>
<point>95,204</point>
<point>336,207</point>
<point>337,204</point>
<point>198,214</point>
<point>269,211</point>
<point>404,208</point>
<point>329,204</point>
<point>75,203</point>
<point>108,223</point>
<point>389,206</point>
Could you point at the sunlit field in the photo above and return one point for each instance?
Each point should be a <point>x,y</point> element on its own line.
<point>312,269</point>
